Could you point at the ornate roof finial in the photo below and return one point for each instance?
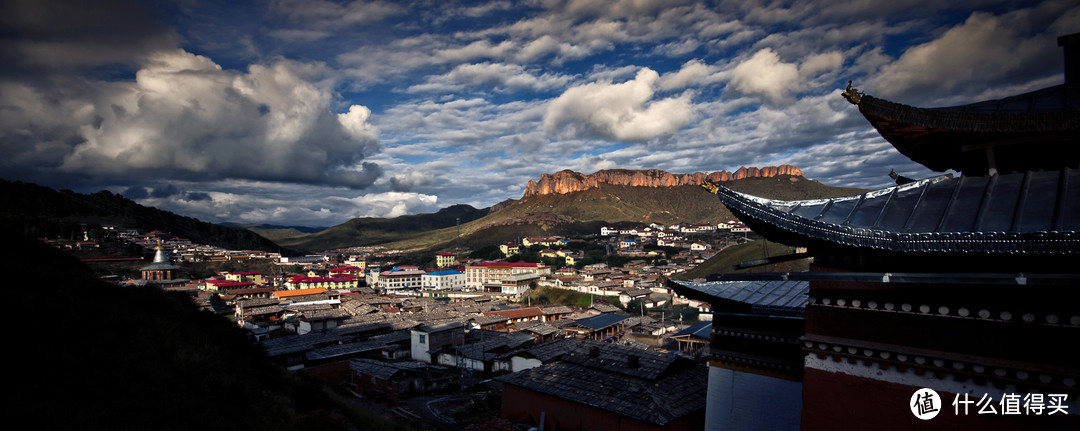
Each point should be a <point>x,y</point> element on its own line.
<point>852,94</point>
<point>710,186</point>
<point>900,179</point>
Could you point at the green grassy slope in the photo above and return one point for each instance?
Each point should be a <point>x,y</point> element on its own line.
<point>616,205</point>
<point>560,214</point>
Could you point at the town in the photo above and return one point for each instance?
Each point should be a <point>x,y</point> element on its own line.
<point>366,319</point>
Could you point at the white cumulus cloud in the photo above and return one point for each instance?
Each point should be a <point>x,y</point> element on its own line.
<point>184,116</point>
<point>764,74</point>
<point>624,111</point>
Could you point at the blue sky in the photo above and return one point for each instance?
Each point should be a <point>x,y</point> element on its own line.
<point>314,112</point>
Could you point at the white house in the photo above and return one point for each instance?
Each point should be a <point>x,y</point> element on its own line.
<point>449,279</point>
<point>518,284</point>
<point>427,340</point>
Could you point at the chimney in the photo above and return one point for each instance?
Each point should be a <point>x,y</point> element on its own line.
<point>594,352</point>
<point>1071,46</point>
<point>633,362</point>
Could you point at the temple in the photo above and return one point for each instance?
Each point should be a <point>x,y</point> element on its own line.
<point>958,285</point>
<point>161,270</point>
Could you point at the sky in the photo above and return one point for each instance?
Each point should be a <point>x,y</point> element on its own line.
<point>313,112</point>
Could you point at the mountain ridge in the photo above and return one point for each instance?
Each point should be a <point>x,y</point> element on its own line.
<point>585,211</point>
<point>568,181</point>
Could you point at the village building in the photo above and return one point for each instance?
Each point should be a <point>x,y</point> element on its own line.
<point>337,282</point>
<point>390,381</point>
<point>603,386</point>
<point>481,350</point>
<point>446,279</point>
<point>554,313</point>
<point>547,241</point>
<point>428,340</point>
<point>396,279</point>
<point>290,294</point>
<point>755,349</point>
<point>515,285</point>
<point>350,270</point>
<point>252,277</point>
<point>603,327</point>
<point>321,320</point>
<point>490,322</point>
<point>445,260</point>
<point>161,269</point>
<point>518,315</point>
<point>484,273</point>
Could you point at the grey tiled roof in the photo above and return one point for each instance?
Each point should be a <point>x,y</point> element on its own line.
<point>700,330</point>
<point>550,351</point>
<point>676,390</point>
<point>485,350</point>
<point>257,302</point>
<point>600,321</point>
<point>299,343</point>
<point>325,314</point>
<point>382,369</point>
<point>604,307</point>
<point>613,357</point>
<point>304,308</point>
<point>358,308</point>
<point>763,295</point>
<point>556,309</point>
<point>542,329</point>
<point>262,311</point>
<point>373,343</point>
<point>487,320</point>
<point>1031,212</point>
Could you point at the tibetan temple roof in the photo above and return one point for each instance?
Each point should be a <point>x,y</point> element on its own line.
<point>784,297</point>
<point>1013,134</point>
<point>1034,213</point>
<point>161,262</point>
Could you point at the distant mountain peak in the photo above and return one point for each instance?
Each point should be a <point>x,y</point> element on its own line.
<point>568,181</point>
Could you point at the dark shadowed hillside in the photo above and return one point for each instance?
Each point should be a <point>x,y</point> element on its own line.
<point>91,355</point>
<point>369,230</point>
<point>43,212</point>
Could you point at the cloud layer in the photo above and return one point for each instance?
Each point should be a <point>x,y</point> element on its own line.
<point>315,112</point>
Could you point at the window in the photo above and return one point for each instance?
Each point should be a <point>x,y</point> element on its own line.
<point>423,339</point>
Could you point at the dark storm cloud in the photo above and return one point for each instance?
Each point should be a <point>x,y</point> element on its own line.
<point>47,36</point>
<point>165,191</point>
<point>136,192</point>
<point>198,197</point>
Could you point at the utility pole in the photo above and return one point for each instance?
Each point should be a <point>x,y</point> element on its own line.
<point>458,222</point>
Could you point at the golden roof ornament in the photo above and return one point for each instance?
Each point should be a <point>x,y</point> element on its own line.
<point>852,94</point>
<point>710,186</point>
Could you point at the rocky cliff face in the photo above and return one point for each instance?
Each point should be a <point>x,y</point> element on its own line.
<point>569,181</point>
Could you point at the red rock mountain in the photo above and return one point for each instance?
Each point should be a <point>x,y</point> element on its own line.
<point>569,181</point>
